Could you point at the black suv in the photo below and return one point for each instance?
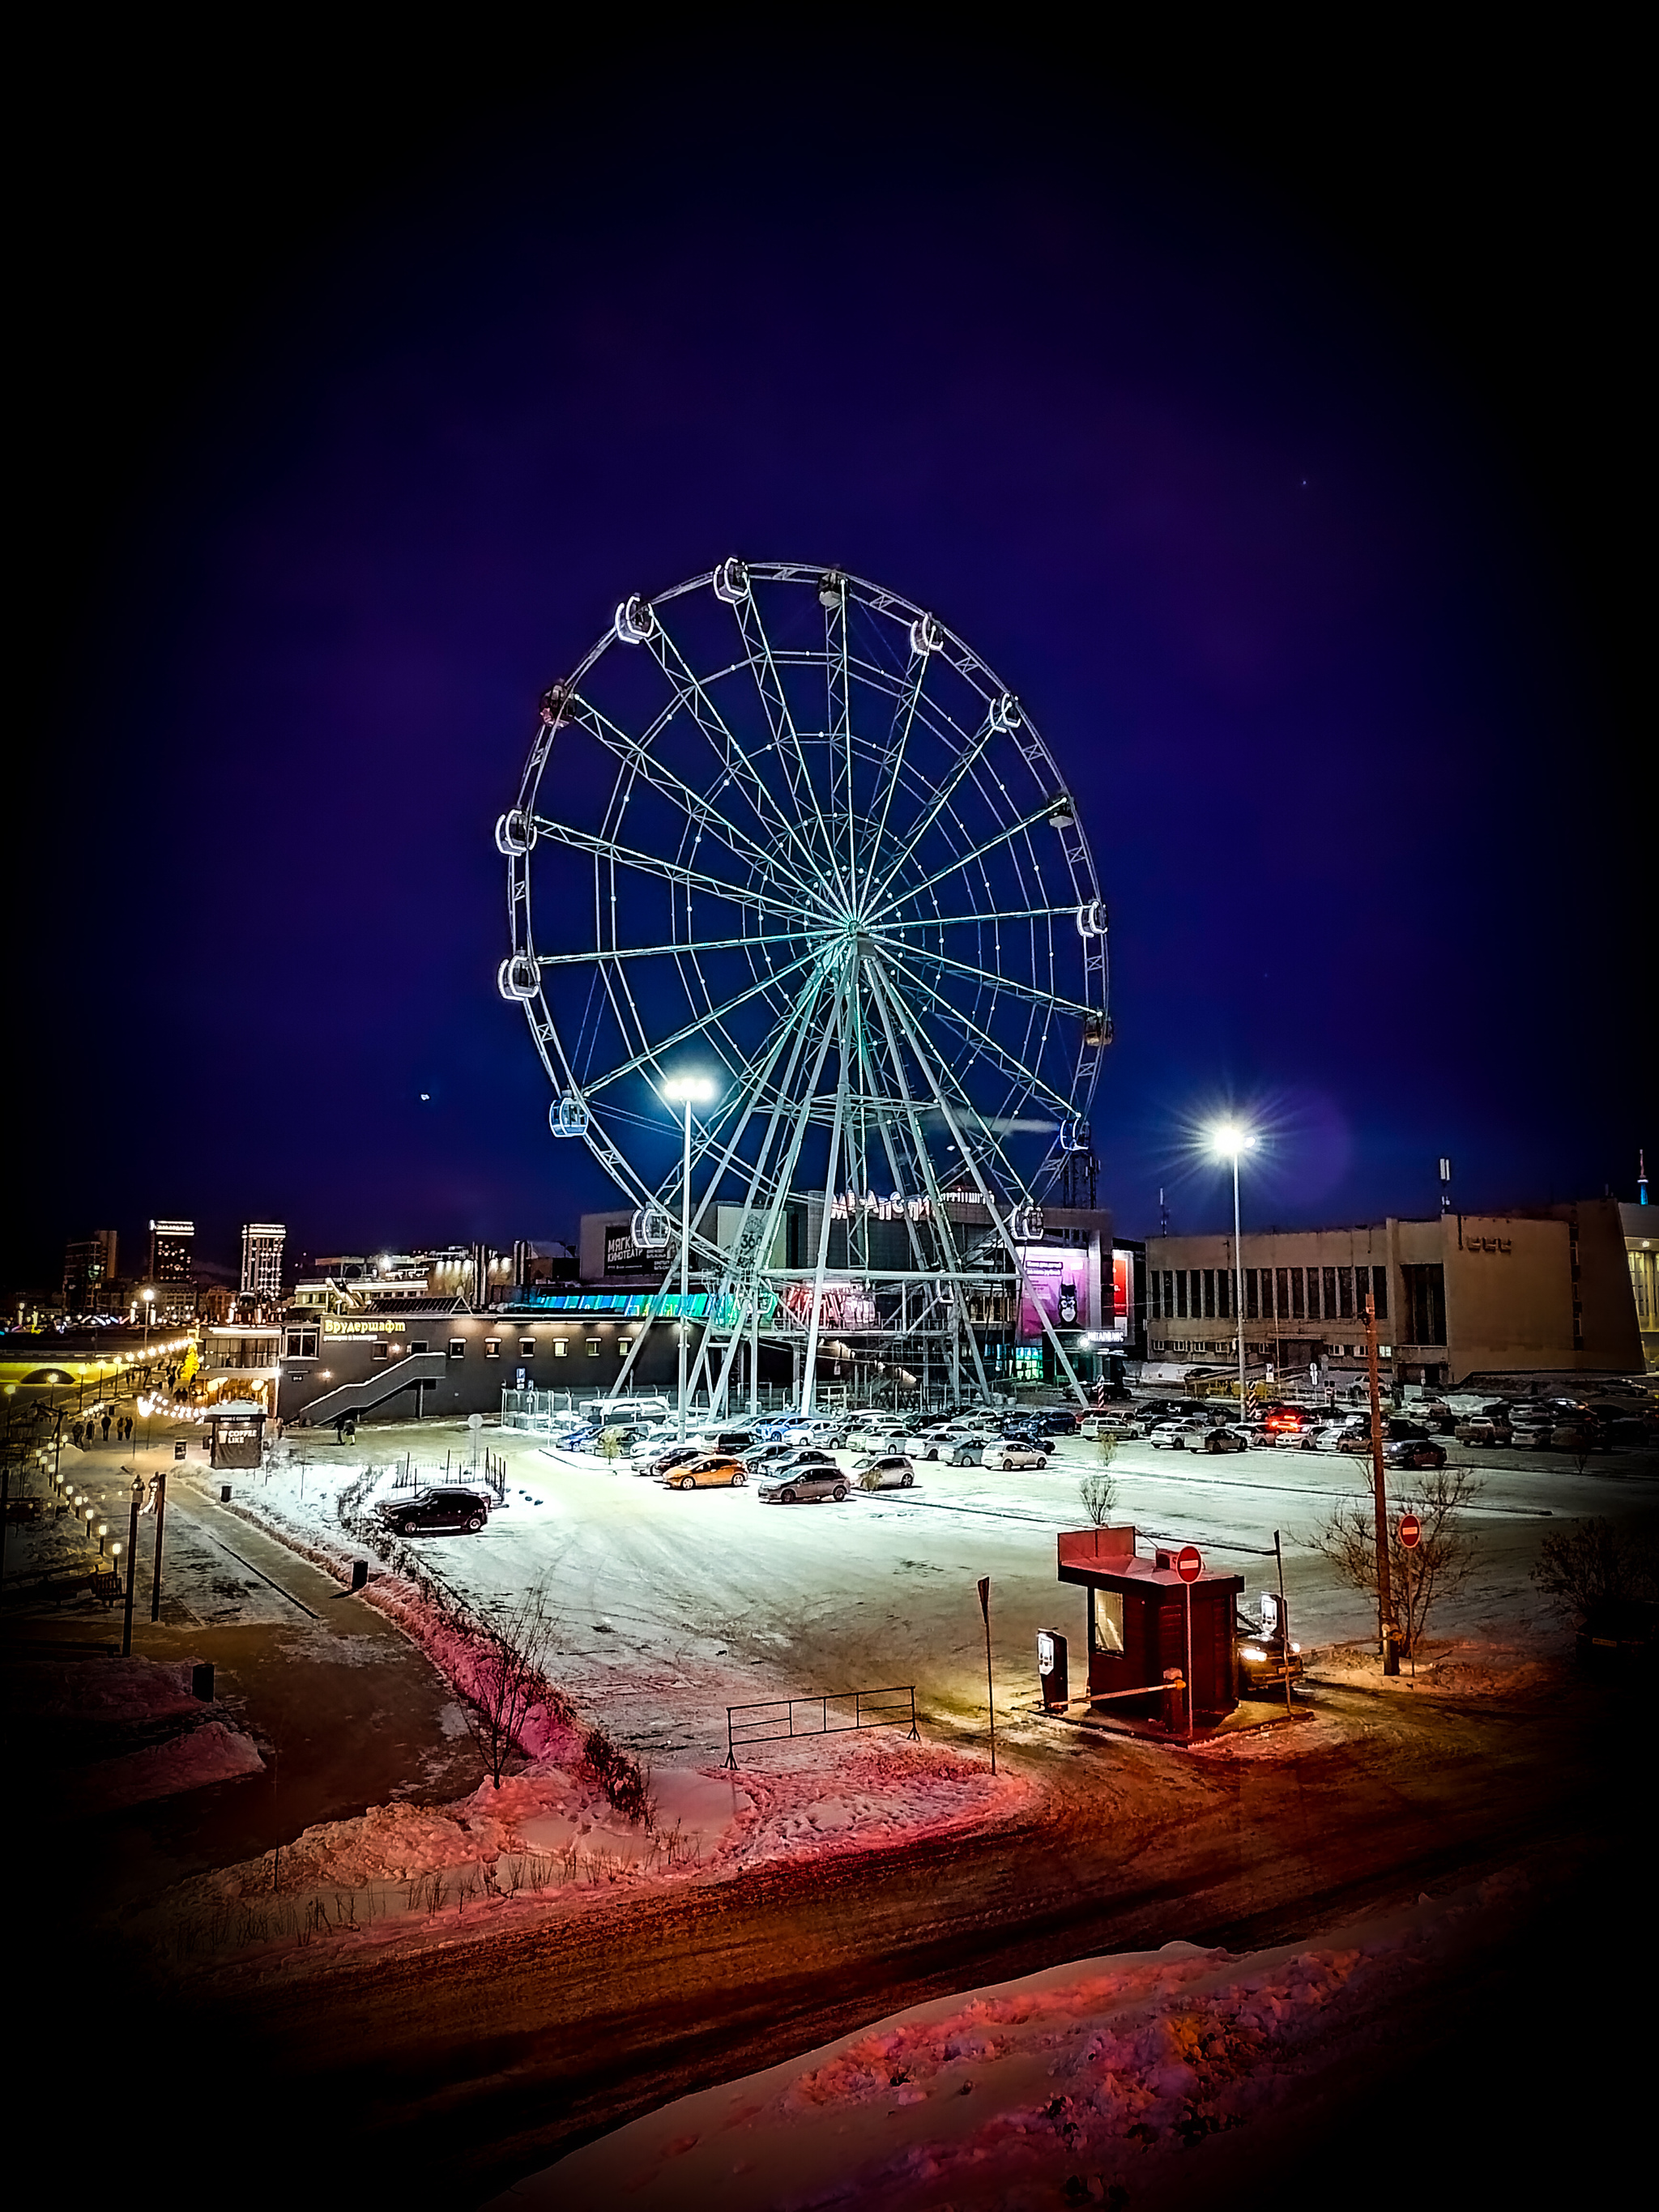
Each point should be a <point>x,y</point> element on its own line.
<point>435,1513</point>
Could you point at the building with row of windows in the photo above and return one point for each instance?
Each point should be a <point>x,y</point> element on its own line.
<point>1458,1297</point>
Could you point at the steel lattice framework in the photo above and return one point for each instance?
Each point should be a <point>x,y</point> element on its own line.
<point>782,827</point>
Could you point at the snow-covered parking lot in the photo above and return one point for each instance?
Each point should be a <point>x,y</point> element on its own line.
<point>672,1605</point>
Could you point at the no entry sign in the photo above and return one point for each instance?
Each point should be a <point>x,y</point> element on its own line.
<point>1410,1531</point>
<point>1189,1563</point>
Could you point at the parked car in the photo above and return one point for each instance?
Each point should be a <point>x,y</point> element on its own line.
<point>442,1512</point>
<point>737,1441</point>
<point>1008,1452</point>
<point>1055,1421</point>
<point>1220,1440</point>
<point>1262,1662</point>
<point>1179,1436</point>
<point>964,1451</point>
<point>661,1461</point>
<point>885,1471</point>
<point>1290,1422</point>
<point>1480,1431</point>
<point>708,1471</point>
<point>803,1485</point>
<point>1414,1451</point>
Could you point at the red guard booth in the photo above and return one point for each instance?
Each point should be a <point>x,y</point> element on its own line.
<point>1137,1624</point>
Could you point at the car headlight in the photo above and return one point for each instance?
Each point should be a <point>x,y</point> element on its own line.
<point>1250,1651</point>
<point>1296,1651</point>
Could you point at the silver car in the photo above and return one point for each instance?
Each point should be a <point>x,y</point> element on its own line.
<point>885,1471</point>
<point>798,1484</point>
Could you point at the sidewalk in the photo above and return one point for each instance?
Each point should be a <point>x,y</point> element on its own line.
<point>344,1711</point>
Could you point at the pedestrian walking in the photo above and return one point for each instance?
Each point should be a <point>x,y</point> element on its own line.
<point>106,1428</point>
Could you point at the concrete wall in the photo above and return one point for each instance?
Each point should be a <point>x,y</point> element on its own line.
<point>1549,1291</point>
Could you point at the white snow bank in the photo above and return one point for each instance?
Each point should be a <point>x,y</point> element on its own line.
<point>1080,2082</point>
<point>212,1752</point>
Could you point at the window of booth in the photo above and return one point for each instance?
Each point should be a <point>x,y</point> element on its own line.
<point>1106,1621</point>
<point>492,1347</point>
<point>594,1347</point>
<point>458,1347</point>
<point>526,1347</point>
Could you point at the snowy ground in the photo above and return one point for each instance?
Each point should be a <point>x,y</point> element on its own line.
<point>673,1605</point>
<point>1148,2077</point>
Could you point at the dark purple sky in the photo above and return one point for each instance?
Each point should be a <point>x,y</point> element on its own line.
<point>1270,441</point>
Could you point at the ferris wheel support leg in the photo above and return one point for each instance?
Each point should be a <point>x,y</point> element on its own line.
<point>1001,1227</point>
<point>634,1351</point>
<point>809,1380</point>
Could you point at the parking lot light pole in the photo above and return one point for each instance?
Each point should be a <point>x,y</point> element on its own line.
<point>1230,1141</point>
<point>685,1088</point>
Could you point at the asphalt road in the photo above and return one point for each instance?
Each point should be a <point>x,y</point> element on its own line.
<point>444,2072</point>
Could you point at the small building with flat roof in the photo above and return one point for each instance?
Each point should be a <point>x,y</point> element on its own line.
<point>1137,1624</point>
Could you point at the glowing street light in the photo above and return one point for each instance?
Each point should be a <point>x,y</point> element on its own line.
<point>689,1090</point>
<point>1230,1138</point>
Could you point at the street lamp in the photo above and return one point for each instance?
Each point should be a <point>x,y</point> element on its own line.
<point>687,1090</point>
<point>1229,1139</point>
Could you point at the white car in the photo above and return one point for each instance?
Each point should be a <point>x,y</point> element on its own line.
<point>1007,1453</point>
<point>1179,1436</point>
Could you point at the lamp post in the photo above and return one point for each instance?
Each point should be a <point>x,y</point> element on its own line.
<point>685,1089</point>
<point>1230,1141</point>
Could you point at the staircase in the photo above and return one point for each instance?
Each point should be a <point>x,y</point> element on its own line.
<point>359,1397</point>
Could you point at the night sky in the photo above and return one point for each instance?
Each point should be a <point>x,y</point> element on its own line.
<point>1272,437</point>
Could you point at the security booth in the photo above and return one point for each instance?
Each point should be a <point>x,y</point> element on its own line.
<point>238,1435</point>
<point>1137,1626</point>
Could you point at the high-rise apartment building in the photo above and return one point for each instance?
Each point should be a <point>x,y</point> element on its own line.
<point>172,1252</point>
<point>262,1259</point>
<point>88,1270</point>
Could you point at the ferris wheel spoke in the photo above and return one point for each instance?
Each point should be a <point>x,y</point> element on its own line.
<point>652,864</point>
<point>545,960</point>
<point>986,918</point>
<point>693,1028</point>
<point>692,695</point>
<point>963,766</point>
<point>638,755</point>
<point>997,983</point>
<point>898,739</point>
<point>786,739</point>
<point>994,1049</point>
<point>1010,830</point>
<point>838,721</point>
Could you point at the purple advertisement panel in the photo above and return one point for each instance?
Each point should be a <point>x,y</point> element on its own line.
<point>1054,1282</point>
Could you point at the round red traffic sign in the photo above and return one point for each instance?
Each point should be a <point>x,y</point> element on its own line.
<point>1189,1563</point>
<point>1410,1531</point>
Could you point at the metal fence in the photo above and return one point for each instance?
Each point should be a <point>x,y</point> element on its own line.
<point>837,1712</point>
<point>489,1468</point>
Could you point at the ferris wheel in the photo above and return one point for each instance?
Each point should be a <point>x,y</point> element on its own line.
<point>784,840</point>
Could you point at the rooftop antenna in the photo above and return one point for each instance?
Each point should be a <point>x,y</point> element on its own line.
<point>1445,1183</point>
<point>1641,1179</point>
<point>1164,1212</point>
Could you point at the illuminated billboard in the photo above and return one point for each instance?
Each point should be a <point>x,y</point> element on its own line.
<point>1062,1283</point>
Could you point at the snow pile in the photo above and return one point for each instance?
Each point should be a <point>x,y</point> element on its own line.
<point>1088,2083</point>
<point>212,1752</point>
<point>1468,1667</point>
<point>101,1690</point>
<point>864,1795</point>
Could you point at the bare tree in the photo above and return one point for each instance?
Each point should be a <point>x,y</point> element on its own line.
<point>1598,1578</point>
<point>1438,1567</point>
<point>508,1677</point>
<point>1098,1491</point>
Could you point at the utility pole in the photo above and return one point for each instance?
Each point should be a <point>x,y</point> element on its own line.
<point>990,1687</point>
<point>1385,1621</point>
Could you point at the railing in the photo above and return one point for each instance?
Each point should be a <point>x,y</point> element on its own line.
<point>837,1713</point>
<point>492,1472</point>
